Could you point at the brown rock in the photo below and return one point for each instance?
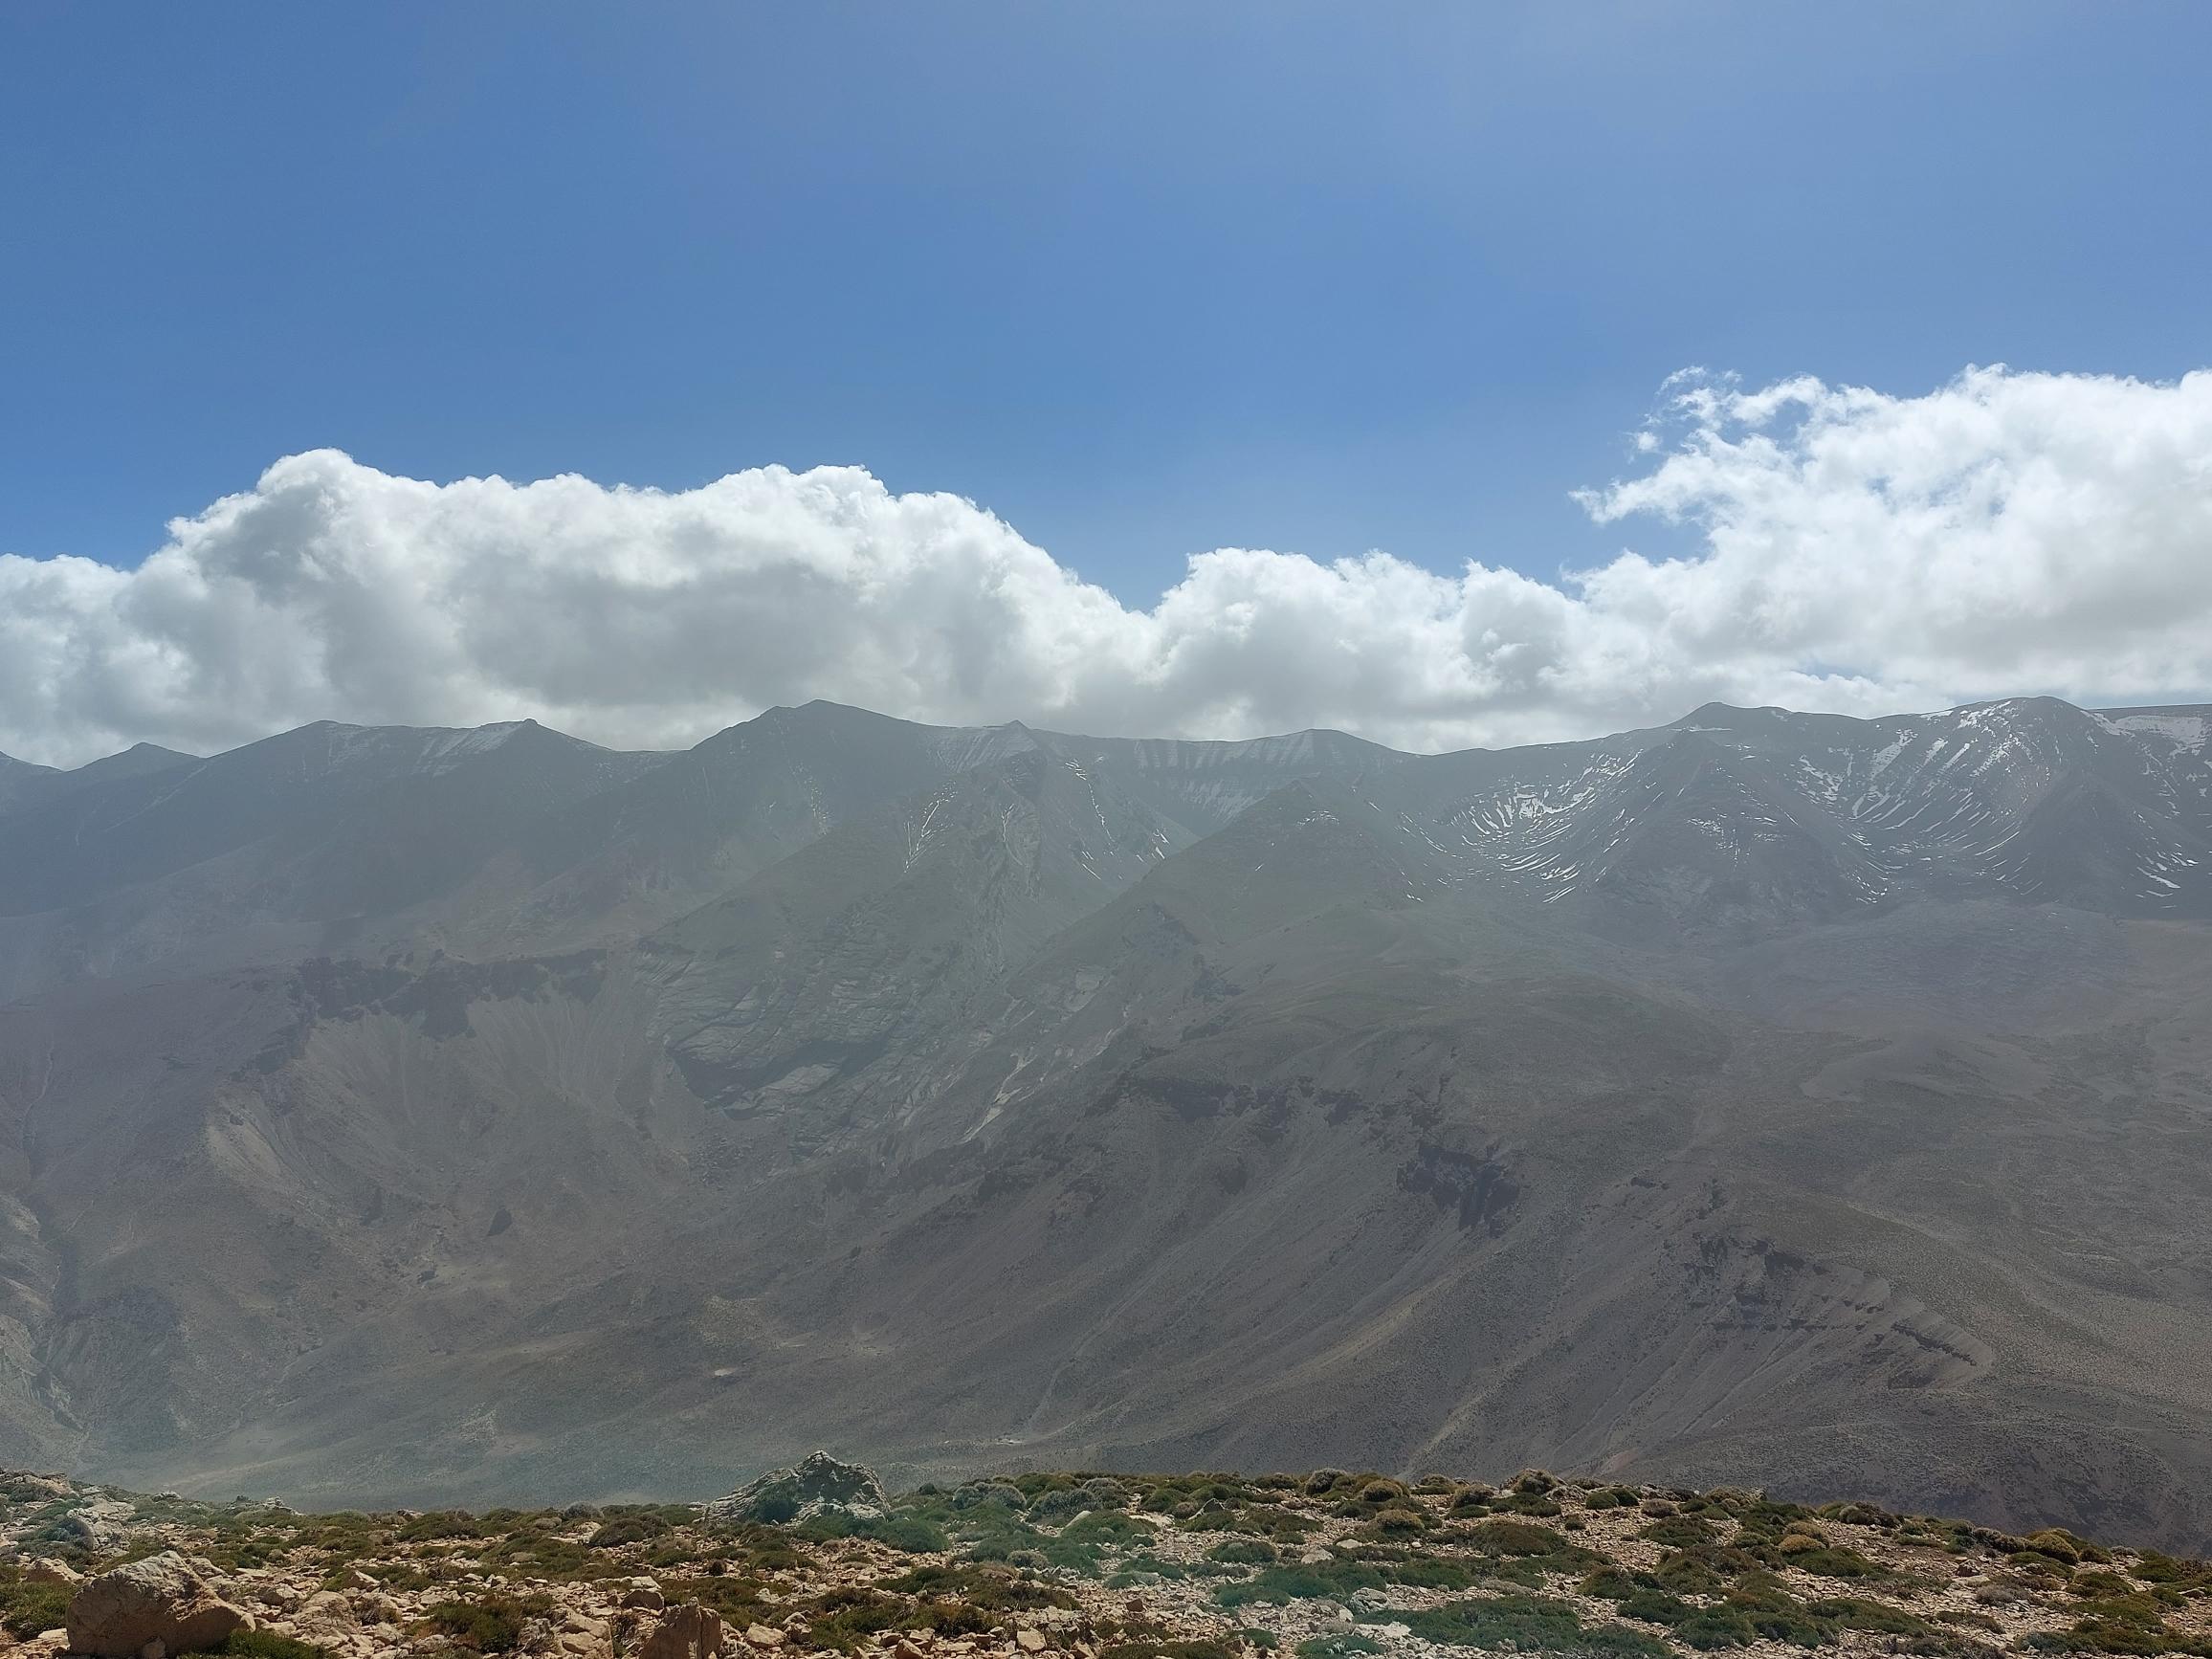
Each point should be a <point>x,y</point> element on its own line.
<point>690,1631</point>
<point>53,1572</point>
<point>161,1599</point>
<point>1030,1641</point>
<point>763,1636</point>
<point>644,1594</point>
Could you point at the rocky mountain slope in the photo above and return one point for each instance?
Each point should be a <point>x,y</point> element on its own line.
<point>1100,1566</point>
<point>1764,1098</point>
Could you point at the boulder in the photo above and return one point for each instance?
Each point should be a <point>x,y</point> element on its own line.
<point>53,1572</point>
<point>161,1599</point>
<point>817,1483</point>
<point>690,1631</point>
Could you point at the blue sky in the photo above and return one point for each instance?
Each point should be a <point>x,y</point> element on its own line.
<point>1144,278</point>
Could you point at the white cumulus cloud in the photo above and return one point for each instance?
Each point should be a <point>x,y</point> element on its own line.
<point>1855,551</point>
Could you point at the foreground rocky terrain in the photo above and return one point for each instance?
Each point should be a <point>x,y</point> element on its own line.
<point>1204,1566</point>
<point>405,1117</point>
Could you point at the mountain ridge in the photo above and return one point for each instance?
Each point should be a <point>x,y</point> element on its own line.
<point>477,1115</point>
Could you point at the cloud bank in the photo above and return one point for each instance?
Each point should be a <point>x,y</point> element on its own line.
<point>1856,552</point>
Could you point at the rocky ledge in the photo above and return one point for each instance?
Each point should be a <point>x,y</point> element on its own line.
<point>818,1560</point>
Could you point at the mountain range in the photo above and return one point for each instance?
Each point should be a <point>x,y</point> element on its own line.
<point>1766,1098</point>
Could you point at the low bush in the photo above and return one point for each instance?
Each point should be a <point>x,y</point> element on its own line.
<point>488,1624</point>
<point>638,1527</point>
<point>1528,1625</point>
<point>28,1606</point>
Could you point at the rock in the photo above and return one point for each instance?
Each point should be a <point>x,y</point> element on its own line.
<point>817,1483</point>
<point>690,1631</point>
<point>763,1636</point>
<point>53,1572</point>
<point>1030,1641</point>
<point>161,1599</point>
<point>643,1594</point>
<point>327,1614</point>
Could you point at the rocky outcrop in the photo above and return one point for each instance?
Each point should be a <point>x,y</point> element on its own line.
<point>817,1483</point>
<point>161,1605</point>
<point>690,1631</point>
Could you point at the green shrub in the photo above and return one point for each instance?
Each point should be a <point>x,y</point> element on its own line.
<point>845,1619</point>
<point>1530,1625</point>
<point>450,1523</point>
<point>1709,1627</point>
<point>910,1534</point>
<point>1681,1532</point>
<point>1515,1538</point>
<point>1245,1553</point>
<point>1203,1648</point>
<point>1334,1580</point>
<point>638,1527</point>
<point>488,1624</point>
<point>28,1606</point>
<point>1835,1562</point>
